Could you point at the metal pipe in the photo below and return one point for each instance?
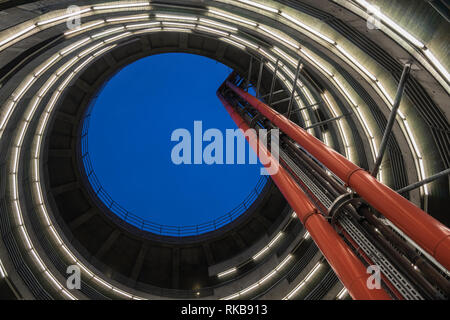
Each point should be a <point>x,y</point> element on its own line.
<point>341,258</point>
<point>294,88</point>
<point>249,73</point>
<point>261,67</point>
<point>418,184</point>
<point>272,86</point>
<point>426,231</point>
<point>391,120</point>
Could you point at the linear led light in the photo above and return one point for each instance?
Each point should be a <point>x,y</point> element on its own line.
<point>294,214</point>
<point>226,272</point>
<point>75,45</point>
<point>101,34</point>
<point>207,29</point>
<point>122,293</point>
<point>90,49</point>
<point>23,89</point>
<point>148,30</point>
<point>234,43</point>
<point>260,253</point>
<point>217,24</point>
<point>342,294</point>
<point>287,41</point>
<point>66,66</point>
<point>82,65</point>
<point>359,65</point>
<point>402,32</point>
<point>63,17</point>
<point>303,282</point>
<point>365,123</point>
<point>283,263</point>
<point>120,6</point>
<point>46,66</point>
<point>258,5</point>
<point>288,72</point>
<point>37,259</point>
<point>436,63</point>
<point>178,24</point>
<point>3,273</point>
<point>233,17</point>
<point>248,289</point>
<point>306,235</point>
<point>138,17</point>
<point>142,25</point>
<point>176,29</point>
<point>17,35</point>
<point>381,87</point>
<point>247,43</point>
<point>31,110</point>
<point>104,50</point>
<point>308,96</point>
<point>347,94</point>
<point>267,55</point>
<point>306,27</point>
<point>275,240</point>
<point>413,141</point>
<point>321,66</point>
<point>285,55</point>
<point>117,37</point>
<point>84,27</point>
<point>169,16</point>
<point>25,236</point>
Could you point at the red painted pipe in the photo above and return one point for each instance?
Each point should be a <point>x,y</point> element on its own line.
<point>426,231</point>
<point>347,266</point>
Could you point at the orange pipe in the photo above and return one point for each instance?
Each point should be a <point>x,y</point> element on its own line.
<point>346,265</point>
<point>426,231</point>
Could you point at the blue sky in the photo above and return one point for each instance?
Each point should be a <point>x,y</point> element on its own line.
<point>130,146</point>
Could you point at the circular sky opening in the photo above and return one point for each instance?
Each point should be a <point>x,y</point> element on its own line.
<point>131,124</point>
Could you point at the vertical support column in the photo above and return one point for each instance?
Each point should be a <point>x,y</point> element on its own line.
<point>391,120</point>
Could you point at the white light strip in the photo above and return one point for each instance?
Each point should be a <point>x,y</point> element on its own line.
<point>17,35</point>
<point>286,56</point>
<point>232,17</point>
<point>316,62</point>
<point>121,6</point>
<point>303,282</point>
<point>402,32</point>
<point>233,43</point>
<point>437,64</point>
<point>304,26</point>
<point>342,294</point>
<point>142,25</point>
<point>77,13</point>
<point>207,29</point>
<point>359,65</point>
<point>261,281</point>
<point>226,272</point>
<point>276,35</point>
<point>217,24</point>
<point>84,27</point>
<point>138,17</point>
<point>260,6</point>
<point>247,43</point>
<point>168,16</point>
<point>3,273</point>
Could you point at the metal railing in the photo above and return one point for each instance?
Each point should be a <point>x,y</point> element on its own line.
<point>143,224</point>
